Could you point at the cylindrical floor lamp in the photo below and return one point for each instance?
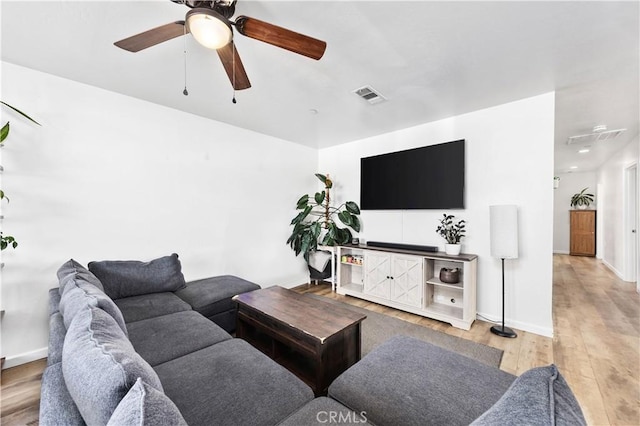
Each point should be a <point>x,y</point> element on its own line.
<point>504,245</point>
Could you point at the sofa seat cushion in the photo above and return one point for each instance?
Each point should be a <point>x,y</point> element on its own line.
<point>410,382</point>
<point>323,411</point>
<point>56,405</point>
<point>211,296</point>
<point>144,405</point>
<point>138,308</point>
<point>232,383</point>
<point>126,278</point>
<point>100,365</point>
<point>168,337</point>
<point>539,396</point>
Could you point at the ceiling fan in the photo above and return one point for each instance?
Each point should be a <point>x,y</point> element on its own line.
<point>210,24</point>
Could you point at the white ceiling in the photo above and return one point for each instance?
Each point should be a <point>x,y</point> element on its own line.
<point>431,60</point>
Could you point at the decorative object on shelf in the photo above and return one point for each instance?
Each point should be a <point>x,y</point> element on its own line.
<point>353,259</point>
<point>452,233</point>
<point>582,200</point>
<point>9,241</point>
<point>315,224</point>
<point>450,276</point>
<point>504,245</point>
<point>556,182</point>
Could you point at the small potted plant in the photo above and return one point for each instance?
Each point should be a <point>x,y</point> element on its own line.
<point>452,232</point>
<point>581,200</point>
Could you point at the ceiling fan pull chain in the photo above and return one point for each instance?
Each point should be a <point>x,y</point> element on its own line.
<point>233,65</point>
<point>184,39</point>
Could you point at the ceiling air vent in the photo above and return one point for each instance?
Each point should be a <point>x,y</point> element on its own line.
<point>369,94</point>
<point>596,136</point>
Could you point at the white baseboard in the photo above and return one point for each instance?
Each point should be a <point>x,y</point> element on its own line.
<point>12,361</point>
<point>531,328</point>
<point>613,269</point>
<point>560,252</point>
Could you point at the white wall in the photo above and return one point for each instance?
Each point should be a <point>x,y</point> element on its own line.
<point>509,160</point>
<point>570,184</point>
<point>112,177</point>
<point>611,177</point>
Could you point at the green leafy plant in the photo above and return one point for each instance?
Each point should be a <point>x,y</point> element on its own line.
<point>9,241</point>
<point>581,199</point>
<point>316,224</point>
<point>450,231</point>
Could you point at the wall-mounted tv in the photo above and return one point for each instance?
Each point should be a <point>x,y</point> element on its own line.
<point>430,177</point>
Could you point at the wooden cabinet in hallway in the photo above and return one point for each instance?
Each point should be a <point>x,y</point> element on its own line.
<point>583,233</point>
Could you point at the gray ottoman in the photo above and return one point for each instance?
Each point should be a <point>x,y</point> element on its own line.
<point>212,298</point>
<point>406,381</point>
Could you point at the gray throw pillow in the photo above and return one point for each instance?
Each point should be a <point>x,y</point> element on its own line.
<point>100,365</point>
<point>540,396</point>
<point>79,294</point>
<point>144,405</point>
<point>125,278</point>
<point>71,269</point>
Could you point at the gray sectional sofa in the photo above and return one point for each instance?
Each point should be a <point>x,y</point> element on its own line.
<point>132,343</point>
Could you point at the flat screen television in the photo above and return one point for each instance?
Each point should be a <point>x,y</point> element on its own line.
<point>430,177</point>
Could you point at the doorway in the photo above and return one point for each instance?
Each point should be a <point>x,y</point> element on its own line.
<point>631,224</point>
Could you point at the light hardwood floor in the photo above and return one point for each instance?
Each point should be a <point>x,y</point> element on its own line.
<point>596,345</point>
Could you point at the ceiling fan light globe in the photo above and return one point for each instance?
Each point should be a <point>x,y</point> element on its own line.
<point>209,28</point>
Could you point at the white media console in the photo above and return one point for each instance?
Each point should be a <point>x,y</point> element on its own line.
<point>408,280</point>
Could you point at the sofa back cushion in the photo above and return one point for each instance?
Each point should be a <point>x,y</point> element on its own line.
<point>125,278</point>
<point>100,365</point>
<point>144,405</point>
<point>79,294</point>
<point>71,270</point>
<point>539,396</point>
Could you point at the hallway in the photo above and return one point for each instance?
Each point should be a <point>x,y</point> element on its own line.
<point>597,338</point>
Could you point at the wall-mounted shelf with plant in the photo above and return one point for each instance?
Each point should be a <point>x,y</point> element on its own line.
<point>9,241</point>
<point>316,222</point>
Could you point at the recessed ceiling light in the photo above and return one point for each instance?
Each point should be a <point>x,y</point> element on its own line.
<point>573,167</point>
<point>584,150</point>
<point>313,111</point>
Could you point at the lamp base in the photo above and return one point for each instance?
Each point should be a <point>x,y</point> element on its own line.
<point>503,331</point>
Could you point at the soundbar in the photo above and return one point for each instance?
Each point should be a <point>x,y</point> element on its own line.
<point>432,249</point>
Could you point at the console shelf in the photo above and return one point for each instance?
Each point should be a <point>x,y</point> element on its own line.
<point>409,280</point>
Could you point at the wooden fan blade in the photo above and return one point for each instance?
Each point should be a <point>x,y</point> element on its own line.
<point>231,61</point>
<point>152,37</point>
<point>281,37</point>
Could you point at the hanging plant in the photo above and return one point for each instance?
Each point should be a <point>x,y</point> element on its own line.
<point>316,224</point>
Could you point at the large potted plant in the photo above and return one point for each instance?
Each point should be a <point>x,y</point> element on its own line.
<point>9,241</point>
<point>452,232</point>
<point>316,222</point>
<point>582,200</point>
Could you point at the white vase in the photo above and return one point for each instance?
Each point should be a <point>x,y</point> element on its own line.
<point>452,249</point>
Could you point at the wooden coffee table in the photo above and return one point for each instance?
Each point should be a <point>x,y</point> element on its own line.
<point>313,339</point>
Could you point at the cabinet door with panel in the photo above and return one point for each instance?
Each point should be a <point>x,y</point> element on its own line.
<point>583,233</point>
<point>377,270</point>
<point>407,276</point>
